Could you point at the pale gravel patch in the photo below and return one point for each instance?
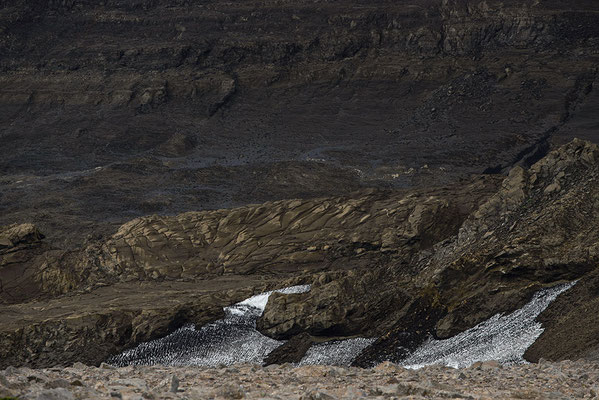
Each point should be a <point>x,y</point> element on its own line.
<point>488,380</point>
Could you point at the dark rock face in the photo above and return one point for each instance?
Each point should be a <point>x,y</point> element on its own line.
<point>107,321</point>
<point>117,110</point>
<point>343,307</point>
<point>570,325</point>
<point>536,231</point>
<point>375,118</point>
<point>294,349</point>
<point>21,250</point>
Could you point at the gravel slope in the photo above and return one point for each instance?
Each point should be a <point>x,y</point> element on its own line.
<point>490,380</point>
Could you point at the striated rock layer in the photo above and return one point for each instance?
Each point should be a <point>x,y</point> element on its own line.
<point>116,285</point>
<point>397,266</point>
<point>118,109</point>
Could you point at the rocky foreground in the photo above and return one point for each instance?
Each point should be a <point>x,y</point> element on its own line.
<point>489,380</point>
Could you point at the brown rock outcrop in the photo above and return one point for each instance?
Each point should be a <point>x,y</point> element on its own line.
<point>115,110</point>
<point>399,265</point>
<point>273,238</point>
<point>106,296</point>
<point>90,327</point>
<point>21,254</point>
<point>538,230</point>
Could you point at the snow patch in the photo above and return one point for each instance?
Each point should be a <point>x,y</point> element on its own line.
<point>336,352</point>
<point>233,339</point>
<point>504,338</point>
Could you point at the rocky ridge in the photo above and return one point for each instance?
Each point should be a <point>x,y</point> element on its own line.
<point>271,239</point>
<point>148,258</point>
<point>536,231</point>
<point>394,265</point>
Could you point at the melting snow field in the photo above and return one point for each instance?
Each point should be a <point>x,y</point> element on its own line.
<point>337,352</point>
<point>502,337</point>
<point>233,339</point>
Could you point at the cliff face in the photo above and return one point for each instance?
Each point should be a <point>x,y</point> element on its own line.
<point>399,266</point>
<point>122,108</point>
<point>373,116</point>
<point>537,230</point>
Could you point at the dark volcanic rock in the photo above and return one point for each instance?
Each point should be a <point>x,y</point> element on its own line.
<point>22,251</point>
<point>373,117</point>
<point>571,325</point>
<point>535,232</point>
<point>292,351</point>
<point>114,110</point>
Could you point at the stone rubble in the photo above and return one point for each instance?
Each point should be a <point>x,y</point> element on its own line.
<point>483,380</point>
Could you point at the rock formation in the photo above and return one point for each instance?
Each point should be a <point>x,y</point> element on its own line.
<point>537,230</point>
<point>394,265</point>
<point>252,247</point>
<point>412,161</point>
<point>122,109</point>
<point>21,247</point>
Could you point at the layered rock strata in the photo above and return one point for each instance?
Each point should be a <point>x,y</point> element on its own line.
<point>117,110</point>
<point>394,265</point>
<point>536,231</point>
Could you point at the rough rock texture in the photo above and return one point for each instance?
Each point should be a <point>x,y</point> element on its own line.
<point>255,247</point>
<point>489,380</point>
<point>292,350</point>
<point>92,326</point>
<point>372,117</point>
<point>536,231</point>
<point>570,325</point>
<point>21,249</point>
<point>118,109</point>
<point>394,265</point>
<point>282,237</point>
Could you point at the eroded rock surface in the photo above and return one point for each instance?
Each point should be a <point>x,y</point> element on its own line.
<point>276,238</point>
<point>21,250</point>
<point>115,110</point>
<point>259,247</point>
<point>394,265</point>
<point>536,231</point>
<point>92,326</point>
